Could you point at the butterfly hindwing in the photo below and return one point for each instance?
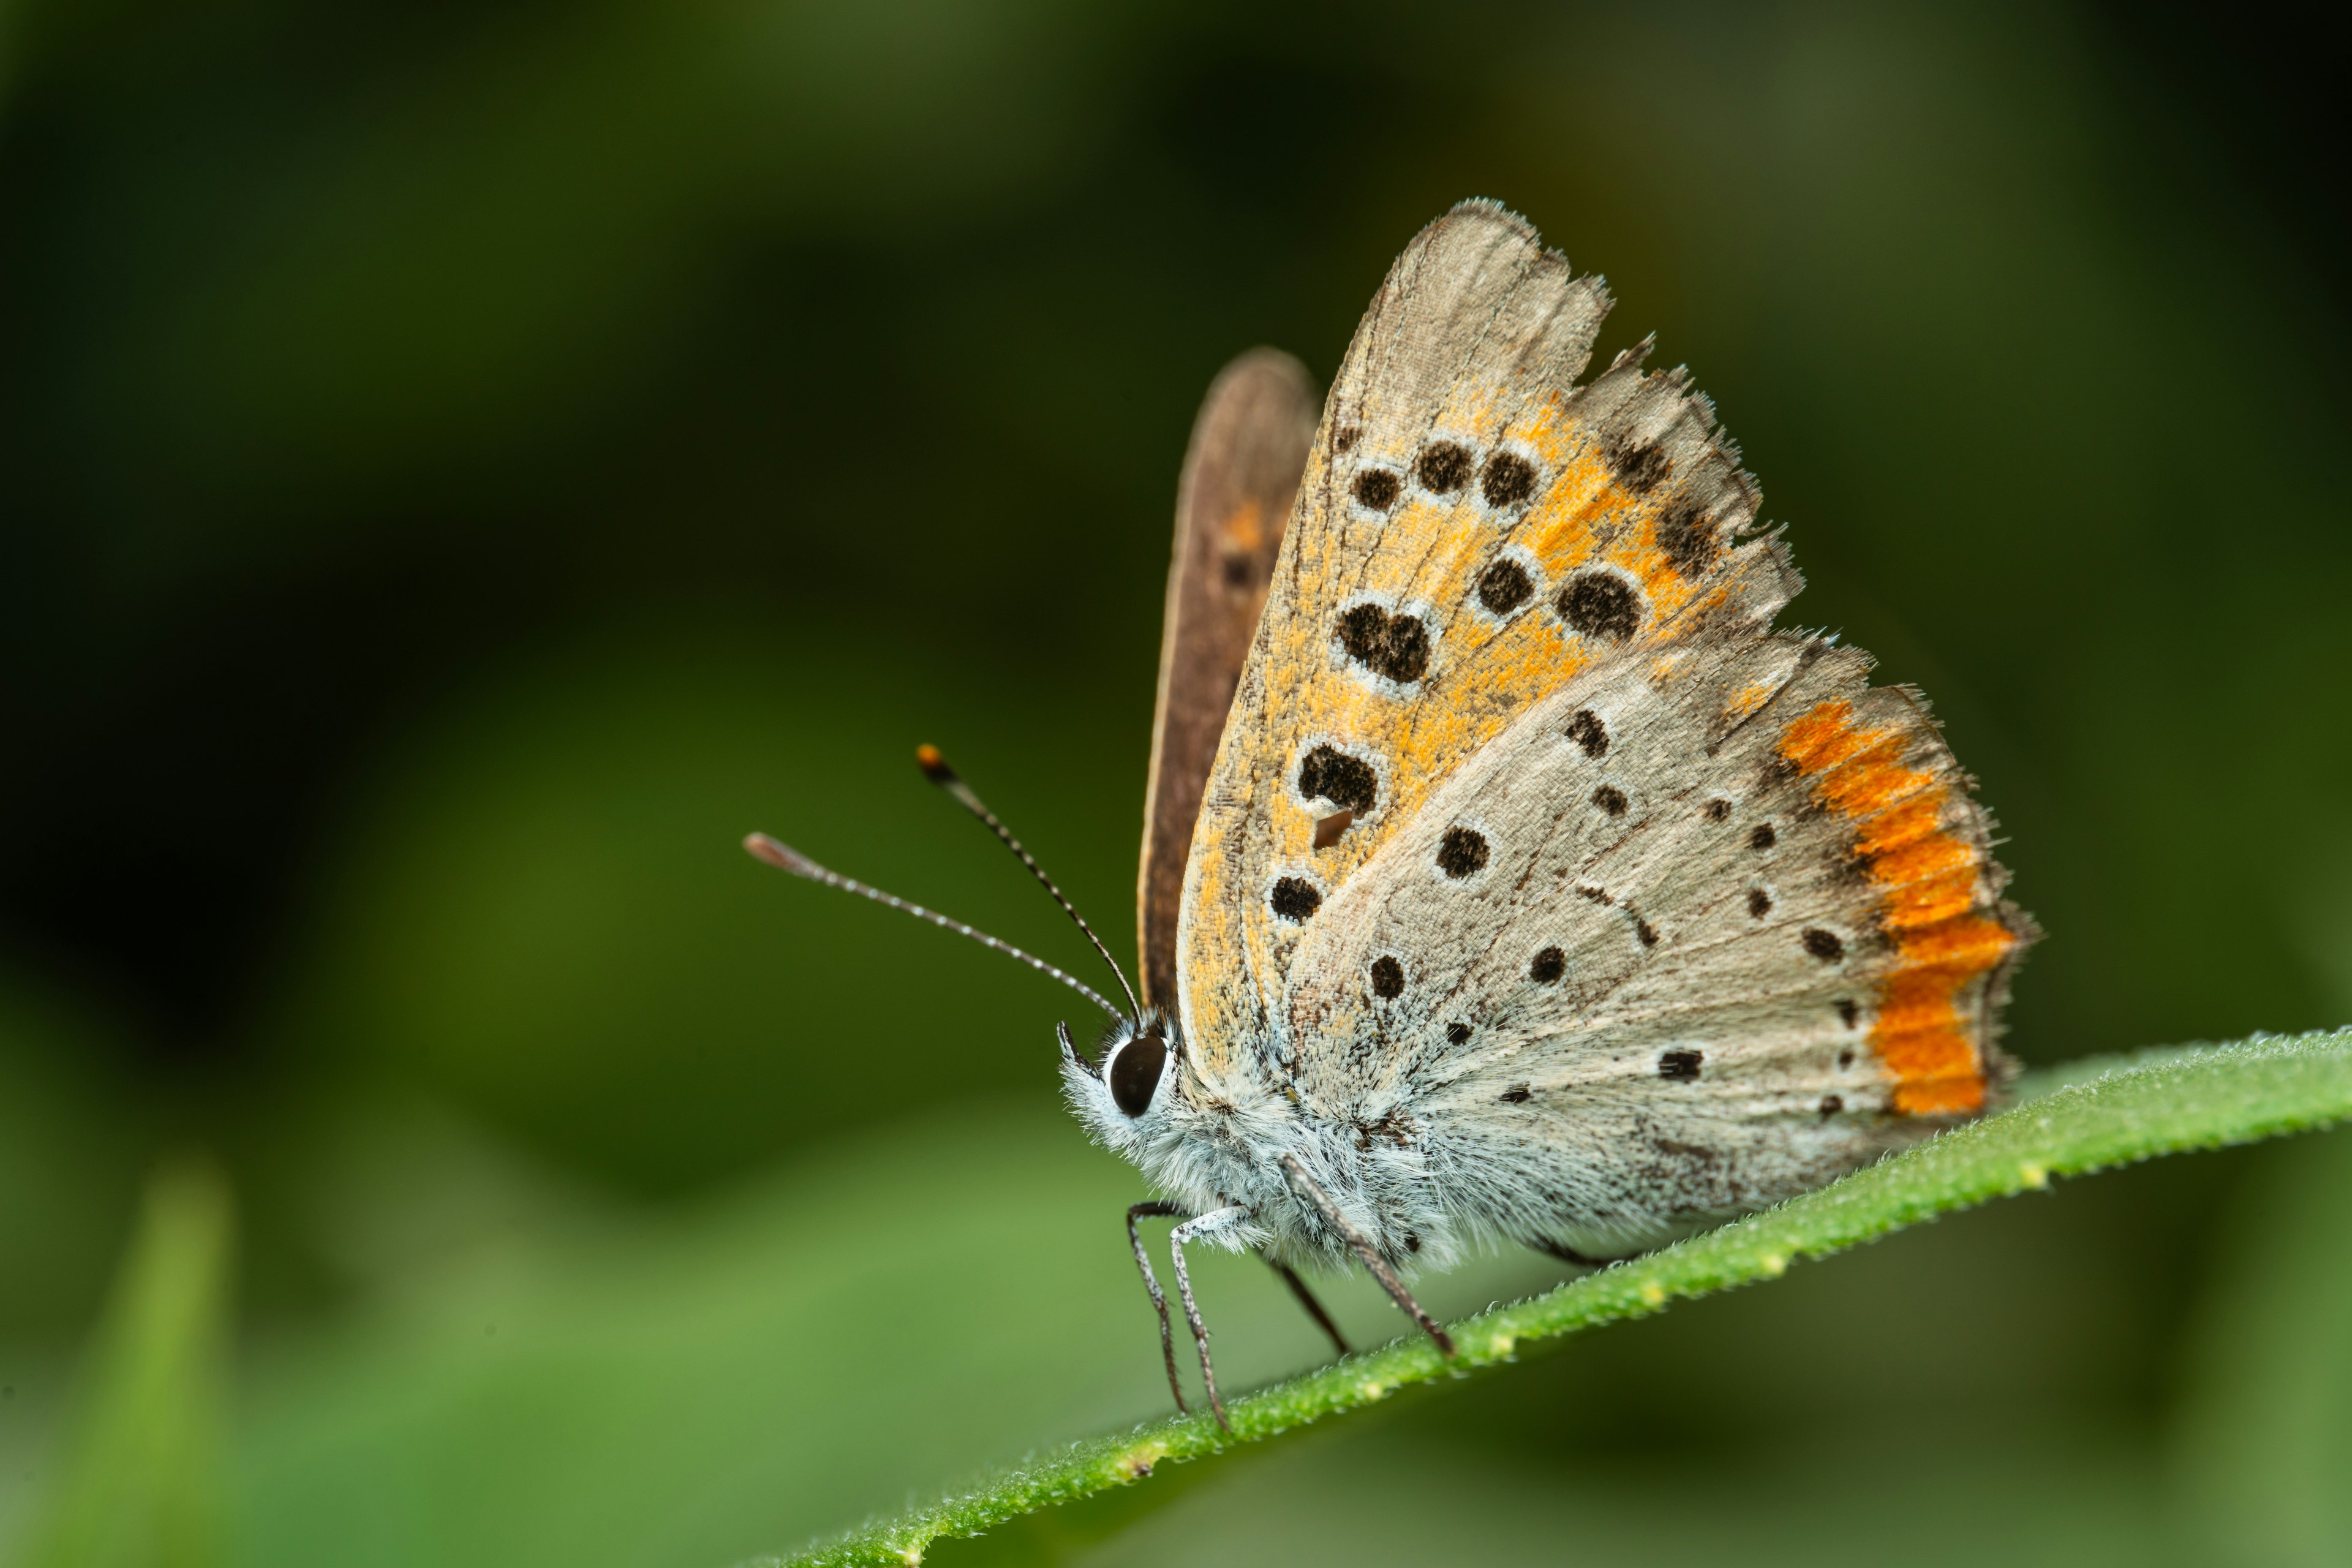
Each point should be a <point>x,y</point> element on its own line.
<point>1733,929</point>
<point>1241,474</point>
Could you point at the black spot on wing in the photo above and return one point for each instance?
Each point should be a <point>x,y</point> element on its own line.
<point>1395,646</point>
<point>1505,586</point>
<point>1763,838</point>
<point>1587,732</point>
<point>1548,966</point>
<point>1648,932</point>
<point>1822,944</point>
<point>1345,437</point>
<point>1760,903</point>
<point>1610,799</point>
<point>1831,1104</point>
<point>1718,810</point>
<point>1377,489</point>
<point>1462,851</point>
<point>1294,899</point>
<point>1636,465</point>
<point>1680,1066</point>
<point>1329,773</point>
<point>1687,534</point>
<point>1388,978</point>
<point>1508,480</point>
<point>1517,1094</point>
<point>1601,605</point>
<point>1443,467</point>
<point>1457,1034</point>
<point>1849,1014</point>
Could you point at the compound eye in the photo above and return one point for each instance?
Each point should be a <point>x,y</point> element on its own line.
<point>1134,1073</point>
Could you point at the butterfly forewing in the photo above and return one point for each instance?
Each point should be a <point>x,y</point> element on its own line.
<point>1241,475</point>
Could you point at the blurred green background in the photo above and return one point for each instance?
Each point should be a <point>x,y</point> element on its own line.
<point>463,466</point>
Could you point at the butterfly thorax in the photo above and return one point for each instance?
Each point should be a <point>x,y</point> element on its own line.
<point>1218,1136</point>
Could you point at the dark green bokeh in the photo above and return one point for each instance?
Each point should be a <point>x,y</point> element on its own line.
<point>466,467</point>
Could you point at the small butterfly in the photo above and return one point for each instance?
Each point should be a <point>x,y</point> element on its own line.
<point>1507,877</point>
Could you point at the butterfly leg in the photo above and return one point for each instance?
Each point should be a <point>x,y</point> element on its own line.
<point>1215,1219</point>
<point>1307,1299</point>
<point>1159,1301</point>
<point>1373,1262</point>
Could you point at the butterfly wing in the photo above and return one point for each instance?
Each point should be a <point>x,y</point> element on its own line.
<point>1482,550</point>
<point>1734,930</point>
<point>1471,530</point>
<point>1241,474</point>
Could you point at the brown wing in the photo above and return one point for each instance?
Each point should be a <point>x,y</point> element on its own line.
<point>1241,473</point>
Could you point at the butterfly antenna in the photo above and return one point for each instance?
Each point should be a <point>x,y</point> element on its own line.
<point>935,768</point>
<point>784,857</point>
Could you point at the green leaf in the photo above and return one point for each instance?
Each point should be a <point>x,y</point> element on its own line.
<point>141,1484</point>
<point>2089,1116</point>
<point>2266,1439</point>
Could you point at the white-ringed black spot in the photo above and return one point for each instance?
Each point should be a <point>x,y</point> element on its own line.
<point>1457,1034</point>
<point>1822,944</point>
<point>1548,966</point>
<point>1443,467</point>
<point>1845,1059</point>
<point>1610,799</point>
<point>1517,1094</point>
<point>1395,646</point>
<point>1327,773</point>
<point>1680,1066</point>
<point>1462,851</point>
<point>1648,932</point>
<point>1718,809</point>
<point>1388,978</point>
<point>1760,903</point>
<point>1601,605</point>
<point>1294,899</point>
<point>1831,1104</point>
<point>1849,1014</point>
<point>1763,838</point>
<point>1377,489</point>
<point>1586,731</point>
<point>1509,480</point>
<point>1345,437</point>
<point>1504,587</point>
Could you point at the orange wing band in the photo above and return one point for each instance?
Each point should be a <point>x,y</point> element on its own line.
<point>1934,905</point>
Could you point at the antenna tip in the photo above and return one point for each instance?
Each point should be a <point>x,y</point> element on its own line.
<point>782,857</point>
<point>935,766</point>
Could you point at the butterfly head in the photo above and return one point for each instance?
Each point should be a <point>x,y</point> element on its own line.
<point>1128,1087</point>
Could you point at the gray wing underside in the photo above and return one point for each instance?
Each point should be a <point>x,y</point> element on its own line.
<point>1636,1014</point>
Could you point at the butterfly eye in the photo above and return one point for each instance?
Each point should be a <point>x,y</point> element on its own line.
<point>1134,1073</point>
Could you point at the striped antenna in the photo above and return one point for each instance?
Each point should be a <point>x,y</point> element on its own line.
<point>784,857</point>
<point>935,768</point>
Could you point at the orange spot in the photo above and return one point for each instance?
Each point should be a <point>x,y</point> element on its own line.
<point>1752,698</point>
<point>1930,896</point>
<point>1244,527</point>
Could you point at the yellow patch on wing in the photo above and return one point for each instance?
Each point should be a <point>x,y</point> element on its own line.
<point>1426,557</point>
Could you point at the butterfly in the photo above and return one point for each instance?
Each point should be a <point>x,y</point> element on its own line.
<point>1507,877</point>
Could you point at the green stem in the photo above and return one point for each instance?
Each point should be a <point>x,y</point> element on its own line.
<point>2087,1116</point>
